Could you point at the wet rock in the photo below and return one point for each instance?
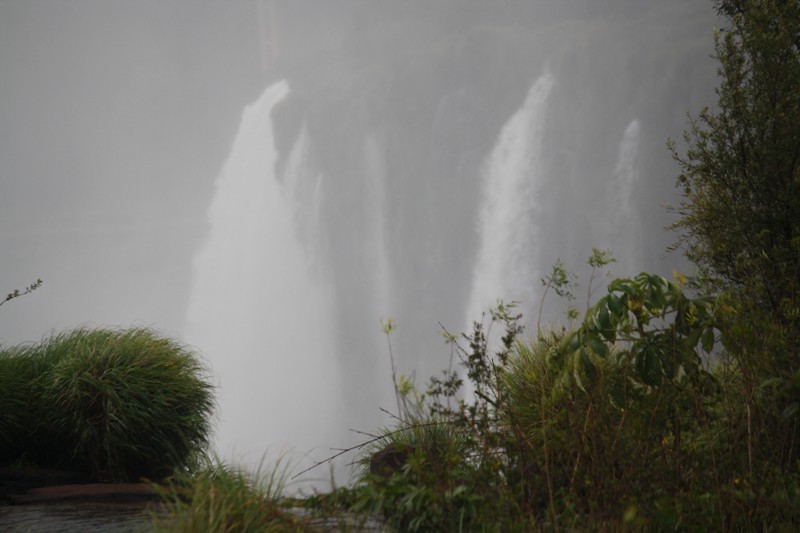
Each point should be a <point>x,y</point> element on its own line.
<point>391,459</point>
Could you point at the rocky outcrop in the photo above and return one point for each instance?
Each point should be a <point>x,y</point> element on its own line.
<point>390,460</point>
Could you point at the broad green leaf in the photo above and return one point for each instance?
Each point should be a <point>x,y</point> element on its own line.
<point>657,282</point>
<point>623,286</point>
<point>575,341</point>
<point>604,320</point>
<point>600,348</point>
<point>615,305</point>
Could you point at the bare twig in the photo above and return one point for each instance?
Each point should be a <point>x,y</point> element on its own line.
<point>391,414</point>
<point>366,434</point>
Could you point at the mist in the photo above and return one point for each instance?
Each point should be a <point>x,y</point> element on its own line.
<point>269,180</point>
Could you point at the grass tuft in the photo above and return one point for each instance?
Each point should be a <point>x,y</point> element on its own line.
<point>121,404</point>
<point>220,498</point>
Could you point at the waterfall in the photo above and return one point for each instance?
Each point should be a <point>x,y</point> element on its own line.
<point>420,178</point>
<point>507,226</point>
<point>375,238</point>
<point>257,310</point>
<point>623,230</point>
<point>303,188</point>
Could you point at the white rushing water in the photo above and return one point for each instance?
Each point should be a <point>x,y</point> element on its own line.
<point>375,202</point>
<point>623,229</point>
<point>259,310</point>
<point>507,226</point>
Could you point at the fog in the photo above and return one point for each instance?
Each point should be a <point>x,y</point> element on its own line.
<point>268,180</point>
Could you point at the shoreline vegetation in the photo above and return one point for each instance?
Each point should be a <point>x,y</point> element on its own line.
<point>667,405</point>
<point>119,405</point>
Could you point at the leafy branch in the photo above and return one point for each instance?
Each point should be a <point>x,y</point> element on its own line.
<point>562,281</point>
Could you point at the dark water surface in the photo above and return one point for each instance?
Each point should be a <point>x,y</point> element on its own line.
<point>78,517</point>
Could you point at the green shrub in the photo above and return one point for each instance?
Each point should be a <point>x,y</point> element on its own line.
<point>591,447</point>
<point>423,477</point>
<point>445,467</point>
<point>132,403</point>
<point>603,426</point>
<point>121,404</point>
<point>25,435</point>
<point>14,405</point>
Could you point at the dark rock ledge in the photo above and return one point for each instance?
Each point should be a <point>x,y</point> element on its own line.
<point>26,486</point>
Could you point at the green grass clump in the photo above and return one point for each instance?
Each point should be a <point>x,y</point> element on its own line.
<point>14,405</point>
<point>420,478</point>
<point>121,404</point>
<point>219,499</point>
<point>26,436</point>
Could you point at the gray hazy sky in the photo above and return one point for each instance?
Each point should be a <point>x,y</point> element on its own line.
<point>115,117</point>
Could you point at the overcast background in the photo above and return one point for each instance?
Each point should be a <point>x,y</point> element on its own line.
<point>115,118</point>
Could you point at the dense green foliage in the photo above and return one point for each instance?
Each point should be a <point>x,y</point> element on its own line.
<point>120,404</point>
<point>620,423</point>
<point>741,215</point>
<point>740,219</point>
<point>741,173</point>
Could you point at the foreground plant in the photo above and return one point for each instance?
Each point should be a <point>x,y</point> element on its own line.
<point>601,426</point>
<point>121,404</point>
<point>220,499</point>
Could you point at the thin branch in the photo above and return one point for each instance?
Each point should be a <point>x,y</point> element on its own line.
<point>359,432</point>
<point>391,414</point>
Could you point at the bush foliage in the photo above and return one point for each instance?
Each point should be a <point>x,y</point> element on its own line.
<point>622,422</point>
